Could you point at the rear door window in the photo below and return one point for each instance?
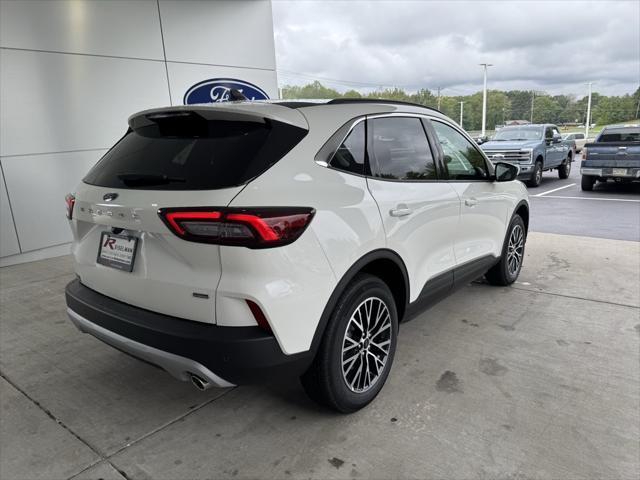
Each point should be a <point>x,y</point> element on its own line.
<point>191,153</point>
<point>400,149</point>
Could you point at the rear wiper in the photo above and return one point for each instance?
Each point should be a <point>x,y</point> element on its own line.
<point>140,179</point>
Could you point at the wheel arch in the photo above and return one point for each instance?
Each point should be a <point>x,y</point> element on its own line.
<point>383,263</point>
<point>522,209</point>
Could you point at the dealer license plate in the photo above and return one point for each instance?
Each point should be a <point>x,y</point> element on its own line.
<point>117,251</point>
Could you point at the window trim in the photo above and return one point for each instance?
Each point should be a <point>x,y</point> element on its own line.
<point>365,164</point>
<point>328,149</point>
<point>434,138</point>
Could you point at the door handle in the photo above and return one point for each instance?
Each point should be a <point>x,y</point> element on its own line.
<point>400,212</point>
<point>470,202</point>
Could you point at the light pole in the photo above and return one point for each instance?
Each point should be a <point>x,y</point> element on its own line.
<point>484,98</point>
<point>588,122</point>
<point>461,112</point>
<point>533,96</point>
<point>439,88</point>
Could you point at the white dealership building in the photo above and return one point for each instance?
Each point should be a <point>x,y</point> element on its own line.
<point>73,71</point>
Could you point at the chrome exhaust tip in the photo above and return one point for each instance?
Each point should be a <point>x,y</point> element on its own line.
<point>199,382</point>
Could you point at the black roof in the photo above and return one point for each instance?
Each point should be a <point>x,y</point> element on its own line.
<point>346,101</point>
<point>295,104</point>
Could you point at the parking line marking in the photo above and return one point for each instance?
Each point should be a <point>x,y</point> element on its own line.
<point>554,190</point>
<point>594,198</point>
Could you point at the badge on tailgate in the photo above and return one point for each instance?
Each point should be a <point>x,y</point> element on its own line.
<point>117,251</point>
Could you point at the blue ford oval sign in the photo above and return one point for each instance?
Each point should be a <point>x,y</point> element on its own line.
<point>217,90</point>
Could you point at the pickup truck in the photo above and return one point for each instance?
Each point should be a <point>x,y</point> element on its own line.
<point>579,139</point>
<point>615,154</point>
<point>534,148</point>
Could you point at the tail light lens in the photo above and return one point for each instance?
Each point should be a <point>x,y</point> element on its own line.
<point>584,153</point>
<point>246,227</point>
<point>70,200</point>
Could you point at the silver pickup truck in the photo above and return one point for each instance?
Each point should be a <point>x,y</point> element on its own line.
<point>615,155</point>
<point>534,148</point>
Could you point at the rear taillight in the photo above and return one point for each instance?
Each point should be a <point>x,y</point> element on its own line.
<point>262,227</point>
<point>584,153</point>
<point>70,200</point>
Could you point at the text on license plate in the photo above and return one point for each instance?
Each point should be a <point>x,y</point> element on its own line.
<point>117,251</point>
<point>619,171</point>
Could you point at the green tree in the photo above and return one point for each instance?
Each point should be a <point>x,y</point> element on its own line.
<point>311,90</point>
<point>501,106</point>
<point>351,94</point>
<point>546,109</point>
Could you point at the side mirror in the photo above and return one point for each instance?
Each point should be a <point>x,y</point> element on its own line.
<point>557,138</point>
<point>479,141</point>
<point>505,172</point>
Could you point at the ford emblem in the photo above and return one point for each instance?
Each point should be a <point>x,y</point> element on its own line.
<point>109,197</point>
<point>218,90</point>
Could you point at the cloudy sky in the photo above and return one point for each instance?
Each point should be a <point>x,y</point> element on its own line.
<point>554,46</point>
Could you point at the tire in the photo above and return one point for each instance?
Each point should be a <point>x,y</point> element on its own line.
<point>587,182</point>
<point>536,175</point>
<point>565,169</point>
<point>326,381</point>
<point>506,271</point>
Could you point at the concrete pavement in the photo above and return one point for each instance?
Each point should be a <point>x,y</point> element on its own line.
<point>537,380</point>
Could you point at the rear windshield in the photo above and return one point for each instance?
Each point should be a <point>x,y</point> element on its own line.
<point>194,154</point>
<point>629,134</point>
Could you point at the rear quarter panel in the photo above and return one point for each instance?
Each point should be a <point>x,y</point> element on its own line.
<point>295,289</point>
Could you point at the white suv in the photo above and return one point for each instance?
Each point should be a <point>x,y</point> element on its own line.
<point>232,243</point>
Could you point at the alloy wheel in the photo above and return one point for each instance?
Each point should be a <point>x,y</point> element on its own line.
<point>515,250</point>
<point>366,345</point>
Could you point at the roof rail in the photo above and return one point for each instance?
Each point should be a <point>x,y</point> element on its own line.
<point>338,101</point>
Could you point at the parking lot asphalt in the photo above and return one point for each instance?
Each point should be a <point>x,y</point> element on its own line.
<point>609,211</point>
<point>537,380</point>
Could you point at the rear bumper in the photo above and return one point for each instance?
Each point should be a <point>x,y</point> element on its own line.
<point>223,356</point>
<point>608,172</point>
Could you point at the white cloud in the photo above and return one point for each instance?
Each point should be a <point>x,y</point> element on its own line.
<point>554,46</point>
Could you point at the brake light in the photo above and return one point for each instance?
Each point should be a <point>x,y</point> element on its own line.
<point>173,217</point>
<point>260,227</point>
<point>584,153</point>
<point>70,200</point>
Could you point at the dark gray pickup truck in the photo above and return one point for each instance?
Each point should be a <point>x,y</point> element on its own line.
<point>615,155</point>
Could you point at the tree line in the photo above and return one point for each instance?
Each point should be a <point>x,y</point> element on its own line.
<point>501,106</point>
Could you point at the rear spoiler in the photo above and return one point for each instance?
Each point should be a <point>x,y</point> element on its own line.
<point>229,111</point>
